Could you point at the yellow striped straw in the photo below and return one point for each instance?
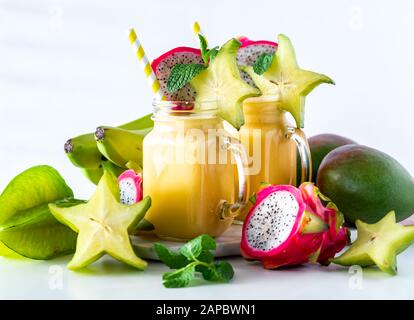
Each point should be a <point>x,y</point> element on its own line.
<point>197,29</point>
<point>145,64</point>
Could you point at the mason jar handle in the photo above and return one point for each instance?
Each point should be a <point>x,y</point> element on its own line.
<point>298,136</point>
<point>228,210</point>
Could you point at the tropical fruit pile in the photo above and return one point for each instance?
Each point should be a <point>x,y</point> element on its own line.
<point>41,219</point>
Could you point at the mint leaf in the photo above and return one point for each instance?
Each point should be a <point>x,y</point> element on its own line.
<point>224,270</point>
<point>195,256</point>
<point>218,272</point>
<point>203,48</point>
<point>206,256</point>
<point>207,242</point>
<point>180,278</point>
<point>172,259</point>
<point>181,74</point>
<point>211,54</point>
<point>263,63</point>
<point>192,249</point>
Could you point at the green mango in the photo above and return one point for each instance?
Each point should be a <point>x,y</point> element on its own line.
<point>320,145</point>
<point>366,183</point>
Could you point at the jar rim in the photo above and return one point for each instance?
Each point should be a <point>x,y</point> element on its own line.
<point>184,108</point>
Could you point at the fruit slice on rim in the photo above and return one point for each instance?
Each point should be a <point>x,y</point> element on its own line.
<point>103,224</point>
<point>163,65</point>
<point>378,244</point>
<point>221,83</point>
<point>294,84</point>
<point>250,51</point>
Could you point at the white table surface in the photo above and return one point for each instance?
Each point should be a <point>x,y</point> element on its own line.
<point>108,279</point>
<point>66,67</point>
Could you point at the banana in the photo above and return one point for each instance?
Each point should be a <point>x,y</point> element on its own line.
<point>94,175</point>
<point>121,146</point>
<point>83,152</point>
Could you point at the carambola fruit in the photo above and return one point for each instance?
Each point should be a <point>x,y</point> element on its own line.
<point>378,244</point>
<point>103,225</point>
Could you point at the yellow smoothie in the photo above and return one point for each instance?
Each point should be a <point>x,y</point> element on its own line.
<point>185,184</point>
<point>272,156</point>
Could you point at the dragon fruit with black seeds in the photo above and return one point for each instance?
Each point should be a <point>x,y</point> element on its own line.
<point>291,226</point>
<point>163,65</point>
<point>130,186</point>
<point>249,51</point>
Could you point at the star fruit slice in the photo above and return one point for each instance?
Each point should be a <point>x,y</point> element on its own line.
<point>378,244</point>
<point>103,225</point>
<point>221,83</point>
<point>286,79</point>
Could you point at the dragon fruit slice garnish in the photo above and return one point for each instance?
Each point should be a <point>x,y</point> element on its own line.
<point>249,51</point>
<point>130,186</point>
<point>289,227</point>
<point>163,65</point>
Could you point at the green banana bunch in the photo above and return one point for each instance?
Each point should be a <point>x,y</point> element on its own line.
<point>121,146</point>
<point>83,151</point>
<point>94,175</point>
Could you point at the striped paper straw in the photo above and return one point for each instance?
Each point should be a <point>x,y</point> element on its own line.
<point>145,64</point>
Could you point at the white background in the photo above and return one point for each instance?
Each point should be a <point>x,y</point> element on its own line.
<point>67,67</point>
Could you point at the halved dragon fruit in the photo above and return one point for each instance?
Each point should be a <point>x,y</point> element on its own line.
<point>249,52</point>
<point>130,186</point>
<point>289,227</point>
<point>163,65</point>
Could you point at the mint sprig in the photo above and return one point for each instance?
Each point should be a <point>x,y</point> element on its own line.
<point>207,54</point>
<point>263,63</point>
<point>181,74</point>
<point>192,258</point>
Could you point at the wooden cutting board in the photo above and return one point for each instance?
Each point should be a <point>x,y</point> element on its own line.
<point>228,244</point>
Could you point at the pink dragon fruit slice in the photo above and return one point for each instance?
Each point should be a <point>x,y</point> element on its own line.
<point>291,226</point>
<point>130,186</point>
<point>163,65</point>
<point>281,229</point>
<point>249,51</point>
<point>337,236</point>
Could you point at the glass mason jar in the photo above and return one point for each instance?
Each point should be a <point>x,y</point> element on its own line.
<point>193,170</point>
<point>272,144</point>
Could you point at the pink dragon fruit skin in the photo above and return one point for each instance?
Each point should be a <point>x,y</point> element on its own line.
<point>337,236</point>
<point>299,247</point>
<point>245,41</point>
<point>130,186</point>
<point>162,67</point>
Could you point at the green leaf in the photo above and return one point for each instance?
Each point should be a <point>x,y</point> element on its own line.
<point>203,48</point>
<point>34,187</point>
<point>218,272</point>
<point>253,198</point>
<point>180,278</point>
<point>36,234</point>
<point>172,259</point>
<point>192,249</point>
<point>211,54</point>
<point>182,74</point>
<point>263,63</point>
<point>206,256</point>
